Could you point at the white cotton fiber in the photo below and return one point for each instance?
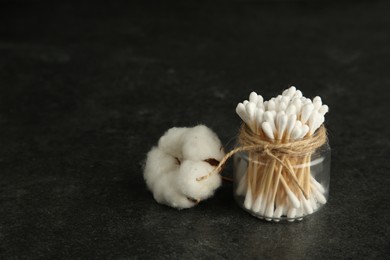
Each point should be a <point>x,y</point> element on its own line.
<point>187,180</point>
<point>201,143</point>
<point>172,168</point>
<point>157,164</point>
<point>172,141</point>
<point>166,192</point>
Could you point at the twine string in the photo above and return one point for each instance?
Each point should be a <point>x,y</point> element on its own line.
<point>251,142</point>
<point>288,168</point>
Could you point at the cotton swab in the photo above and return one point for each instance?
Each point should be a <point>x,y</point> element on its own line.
<point>253,98</point>
<point>241,111</point>
<point>319,196</point>
<point>297,131</point>
<point>305,129</point>
<point>250,111</point>
<point>278,211</point>
<point>290,125</point>
<point>317,102</point>
<point>260,101</point>
<point>282,107</point>
<point>293,199</point>
<point>259,118</point>
<point>248,198</point>
<point>298,94</point>
<point>306,112</point>
<point>323,109</point>
<point>306,205</point>
<point>281,127</point>
<point>258,203</point>
<point>291,110</point>
<point>267,129</point>
<point>291,214</point>
<point>317,185</point>
<point>269,117</point>
<point>281,124</point>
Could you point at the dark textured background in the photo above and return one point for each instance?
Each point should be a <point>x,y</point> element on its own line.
<point>87,88</point>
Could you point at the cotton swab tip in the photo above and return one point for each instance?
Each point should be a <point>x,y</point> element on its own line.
<point>278,211</point>
<point>267,129</point>
<point>250,110</point>
<point>281,121</point>
<point>323,109</point>
<point>269,211</point>
<point>253,97</point>
<point>293,199</point>
<point>248,199</point>
<point>257,204</point>
<point>292,212</point>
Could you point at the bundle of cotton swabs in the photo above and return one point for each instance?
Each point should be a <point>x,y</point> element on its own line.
<point>270,191</point>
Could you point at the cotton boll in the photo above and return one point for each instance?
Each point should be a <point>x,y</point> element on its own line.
<point>173,169</point>
<point>188,184</point>
<point>201,143</point>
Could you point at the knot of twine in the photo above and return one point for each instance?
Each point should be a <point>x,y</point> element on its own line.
<point>252,142</point>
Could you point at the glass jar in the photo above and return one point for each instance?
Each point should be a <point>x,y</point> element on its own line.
<point>271,190</point>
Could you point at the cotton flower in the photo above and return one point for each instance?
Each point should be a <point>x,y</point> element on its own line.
<point>181,156</point>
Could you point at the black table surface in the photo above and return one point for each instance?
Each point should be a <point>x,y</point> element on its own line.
<point>86,89</point>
